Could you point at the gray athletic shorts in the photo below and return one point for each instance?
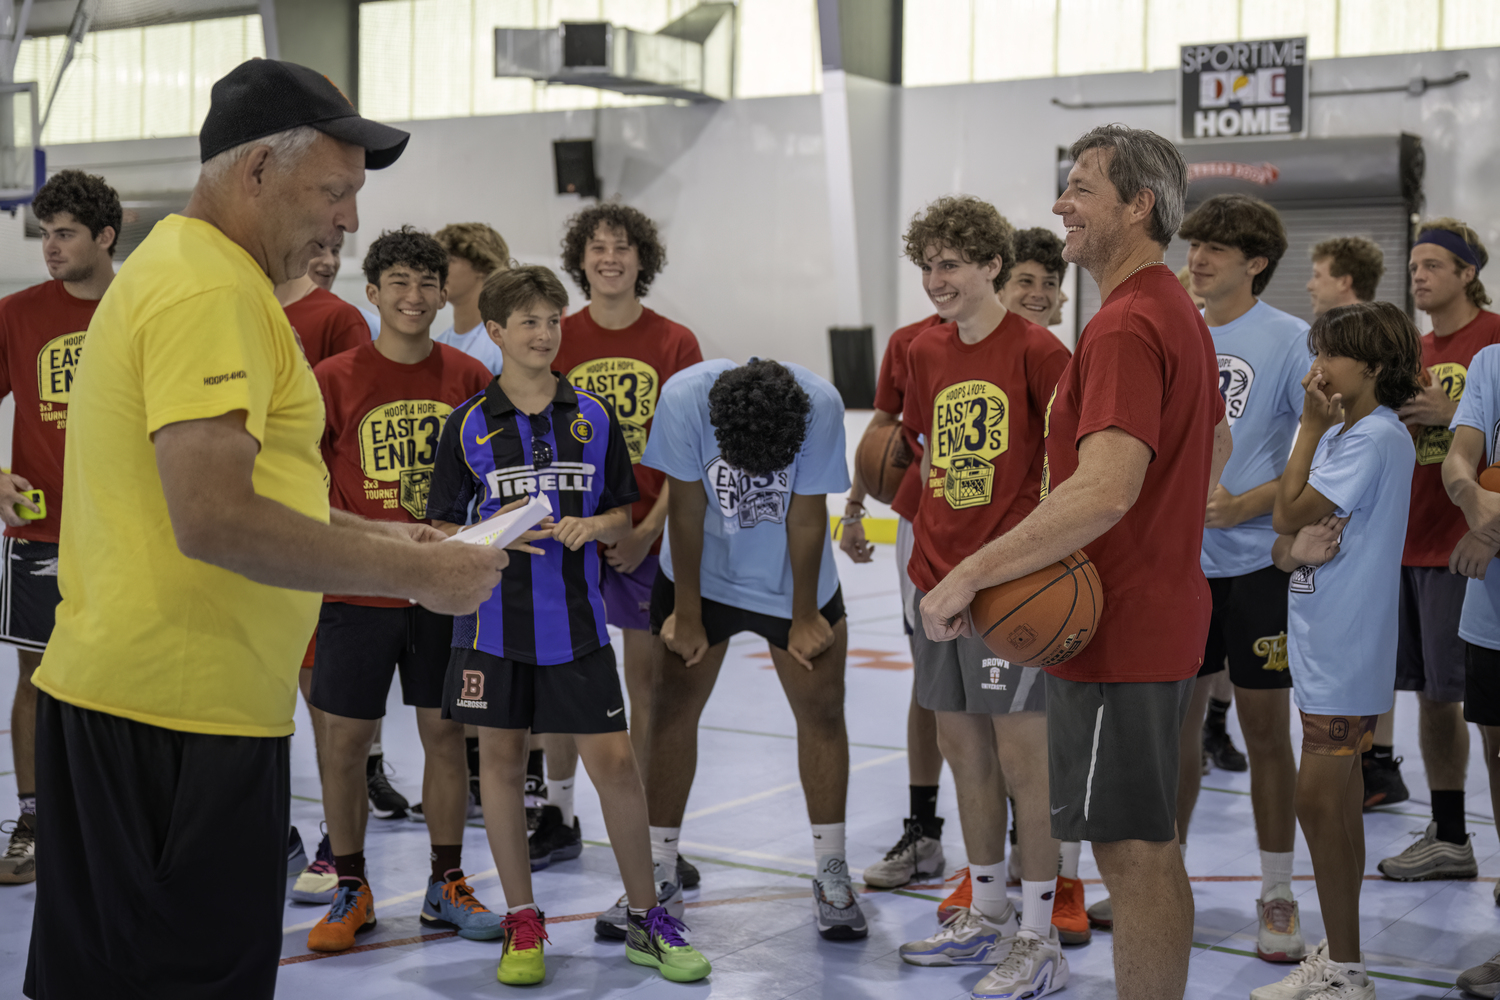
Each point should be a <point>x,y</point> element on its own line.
<point>963,675</point>
<point>905,539</point>
<point>1112,754</point>
<point>1429,653</point>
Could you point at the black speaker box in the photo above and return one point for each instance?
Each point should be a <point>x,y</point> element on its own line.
<point>853,350</point>
<point>573,160</point>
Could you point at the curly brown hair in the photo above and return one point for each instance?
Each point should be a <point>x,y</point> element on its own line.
<point>1043,246</point>
<point>1474,289</point>
<point>476,243</point>
<point>967,226</point>
<point>84,196</point>
<point>1247,224</point>
<point>1381,336</point>
<point>639,229</point>
<point>1357,257</point>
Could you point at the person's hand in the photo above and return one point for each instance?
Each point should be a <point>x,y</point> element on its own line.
<point>1472,555</point>
<point>808,638</point>
<point>1320,411</point>
<point>853,544</point>
<point>686,638</point>
<point>1318,543</point>
<point>626,555</point>
<point>417,532</point>
<point>575,532</point>
<point>1223,509</point>
<point>543,530</point>
<point>458,578</point>
<point>945,609</point>
<point>1429,408</point>
<point>11,486</point>
<point>1486,512</point>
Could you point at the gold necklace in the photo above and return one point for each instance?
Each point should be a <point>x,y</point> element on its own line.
<point>1132,274</point>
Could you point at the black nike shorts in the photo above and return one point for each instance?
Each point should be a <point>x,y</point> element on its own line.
<point>359,648</point>
<point>580,696</point>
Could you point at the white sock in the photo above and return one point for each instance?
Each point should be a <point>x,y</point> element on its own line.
<point>1275,869</point>
<point>1071,852</point>
<point>560,794</point>
<point>1036,907</point>
<point>1355,969</point>
<point>828,842</point>
<point>989,891</point>
<point>1183,849</point>
<point>523,906</point>
<point>664,846</point>
<point>375,749</point>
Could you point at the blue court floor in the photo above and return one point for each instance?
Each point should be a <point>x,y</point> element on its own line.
<point>746,830</point>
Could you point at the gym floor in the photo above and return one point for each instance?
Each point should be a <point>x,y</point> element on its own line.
<point>747,831</point>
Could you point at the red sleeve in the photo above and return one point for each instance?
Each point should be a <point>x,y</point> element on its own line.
<point>688,351</point>
<point>5,338</point>
<point>349,331</point>
<point>890,384</point>
<point>1121,380</point>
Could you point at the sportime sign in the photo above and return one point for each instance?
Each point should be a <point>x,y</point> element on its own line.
<point>1243,89</point>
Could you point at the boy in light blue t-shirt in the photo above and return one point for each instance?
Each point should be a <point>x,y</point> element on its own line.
<point>1476,441</point>
<point>1340,512</point>
<point>750,452</point>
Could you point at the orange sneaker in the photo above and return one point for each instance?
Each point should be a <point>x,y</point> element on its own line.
<point>1068,914</point>
<point>352,912</point>
<point>959,899</point>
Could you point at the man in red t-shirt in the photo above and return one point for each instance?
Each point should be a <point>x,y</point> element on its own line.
<point>386,403</point>
<point>325,323</point>
<point>1136,439</point>
<point>41,340</point>
<point>919,850</point>
<point>1444,267</point>
<point>616,348</point>
<point>977,388</point>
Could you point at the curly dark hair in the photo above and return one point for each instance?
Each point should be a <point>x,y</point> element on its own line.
<point>1475,288</point>
<point>639,229</point>
<point>1248,224</point>
<point>1357,257</point>
<point>1383,337</point>
<point>967,226</point>
<point>759,413</point>
<point>84,196</point>
<point>1043,246</point>
<point>407,245</point>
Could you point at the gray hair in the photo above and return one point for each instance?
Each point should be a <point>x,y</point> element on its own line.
<point>1145,161</point>
<point>287,148</point>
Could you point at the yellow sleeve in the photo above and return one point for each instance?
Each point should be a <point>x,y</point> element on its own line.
<point>210,355</point>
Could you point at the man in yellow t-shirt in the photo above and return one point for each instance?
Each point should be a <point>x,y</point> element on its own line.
<point>194,547</point>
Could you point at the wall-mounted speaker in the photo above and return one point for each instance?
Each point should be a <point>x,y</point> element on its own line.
<point>573,161</point>
<point>853,354</point>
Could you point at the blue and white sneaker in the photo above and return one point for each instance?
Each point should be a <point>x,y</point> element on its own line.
<point>835,905</point>
<point>453,904</point>
<point>1033,968</point>
<point>966,938</point>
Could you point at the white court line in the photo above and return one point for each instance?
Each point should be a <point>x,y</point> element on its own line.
<point>405,897</point>
<point>732,803</point>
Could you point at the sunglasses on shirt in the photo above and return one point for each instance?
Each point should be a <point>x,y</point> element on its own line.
<point>541,451</point>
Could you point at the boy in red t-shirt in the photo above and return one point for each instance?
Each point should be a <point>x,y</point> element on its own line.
<point>41,339</point>
<point>386,403</point>
<point>1444,267</point>
<point>977,388</point>
<point>325,324</point>
<point>616,348</point>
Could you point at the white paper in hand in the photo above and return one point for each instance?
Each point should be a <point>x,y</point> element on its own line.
<point>502,529</point>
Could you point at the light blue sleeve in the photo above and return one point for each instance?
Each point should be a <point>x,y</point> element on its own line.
<point>675,445</point>
<point>1296,365</point>
<point>822,465</point>
<point>1472,409</point>
<point>1351,472</point>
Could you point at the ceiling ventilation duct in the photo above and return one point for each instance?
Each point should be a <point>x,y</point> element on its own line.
<point>691,59</point>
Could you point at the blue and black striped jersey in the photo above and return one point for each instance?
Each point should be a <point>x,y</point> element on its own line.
<point>548,608</point>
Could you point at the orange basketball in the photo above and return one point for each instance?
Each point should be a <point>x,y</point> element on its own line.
<point>882,459</point>
<point>1490,478</point>
<point>1043,618</point>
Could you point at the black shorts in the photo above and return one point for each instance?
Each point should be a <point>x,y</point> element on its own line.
<point>1481,685</point>
<point>129,818</point>
<point>720,621</point>
<point>359,648</point>
<point>1112,755</point>
<point>1429,652</point>
<point>28,593</point>
<point>1248,628</point>
<point>580,696</point>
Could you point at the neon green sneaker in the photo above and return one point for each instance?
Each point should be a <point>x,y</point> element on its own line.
<point>656,940</point>
<point>521,963</point>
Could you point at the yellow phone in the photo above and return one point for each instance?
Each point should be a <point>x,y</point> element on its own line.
<point>36,497</point>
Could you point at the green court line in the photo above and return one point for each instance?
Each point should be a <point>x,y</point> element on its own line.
<point>784,736</point>
<point>4,773</point>
<point>304,798</point>
<point>1376,975</point>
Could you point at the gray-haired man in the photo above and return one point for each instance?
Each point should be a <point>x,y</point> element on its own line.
<point>1136,439</point>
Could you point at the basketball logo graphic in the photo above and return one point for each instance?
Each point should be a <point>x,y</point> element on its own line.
<point>970,429</point>
<point>631,386</point>
<point>1235,378</point>
<point>1433,442</point>
<point>1302,580</point>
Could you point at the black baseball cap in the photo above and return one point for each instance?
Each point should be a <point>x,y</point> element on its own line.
<point>261,97</point>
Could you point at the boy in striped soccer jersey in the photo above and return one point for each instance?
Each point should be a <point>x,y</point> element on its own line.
<point>536,656</point>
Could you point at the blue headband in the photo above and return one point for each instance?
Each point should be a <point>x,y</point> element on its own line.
<point>1453,243</point>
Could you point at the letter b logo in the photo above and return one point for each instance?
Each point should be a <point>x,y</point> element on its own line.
<point>473,685</point>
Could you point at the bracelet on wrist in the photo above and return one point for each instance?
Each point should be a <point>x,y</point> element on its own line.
<point>846,521</point>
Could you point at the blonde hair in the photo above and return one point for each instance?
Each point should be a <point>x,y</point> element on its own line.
<point>476,243</point>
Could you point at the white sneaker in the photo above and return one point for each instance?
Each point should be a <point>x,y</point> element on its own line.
<point>1483,980</point>
<point>1304,976</point>
<point>614,922</point>
<point>915,854</point>
<point>1034,968</point>
<point>967,938</point>
<point>1280,938</point>
<point>1339,985</point>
